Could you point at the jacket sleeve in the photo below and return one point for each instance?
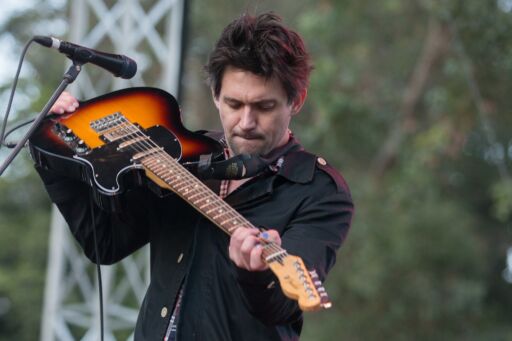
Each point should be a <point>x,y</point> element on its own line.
<point>315,233</point>
<point>118,233</point>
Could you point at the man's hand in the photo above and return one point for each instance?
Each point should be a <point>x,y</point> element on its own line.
<point>66,103</point>
<point>245,248</point>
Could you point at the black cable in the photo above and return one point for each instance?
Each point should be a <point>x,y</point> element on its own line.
<point>98,262</point>
<point>13,89</point>
<point>19,125</point>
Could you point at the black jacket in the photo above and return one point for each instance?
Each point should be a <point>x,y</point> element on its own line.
<point>307,201</point>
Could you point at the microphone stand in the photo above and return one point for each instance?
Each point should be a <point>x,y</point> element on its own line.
<point>68,78</point>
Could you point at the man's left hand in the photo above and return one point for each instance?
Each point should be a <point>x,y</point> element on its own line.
<point>245,248</point>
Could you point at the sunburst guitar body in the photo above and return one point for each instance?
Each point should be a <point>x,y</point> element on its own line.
<point>82,145</point>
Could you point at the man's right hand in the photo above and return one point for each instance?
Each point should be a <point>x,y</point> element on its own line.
<point>66,103</point>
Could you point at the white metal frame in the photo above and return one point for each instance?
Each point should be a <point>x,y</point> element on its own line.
<point>151,35</point>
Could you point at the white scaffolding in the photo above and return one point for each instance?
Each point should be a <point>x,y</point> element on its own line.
<point>150,32</point>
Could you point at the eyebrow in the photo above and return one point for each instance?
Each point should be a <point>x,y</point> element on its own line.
<point>262,101</point>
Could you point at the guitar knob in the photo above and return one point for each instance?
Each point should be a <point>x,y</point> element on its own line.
<point>81,147</point>
<point>69,136</point>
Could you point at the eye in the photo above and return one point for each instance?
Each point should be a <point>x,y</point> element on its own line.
<point>266,106</point>
<point>234,104</point>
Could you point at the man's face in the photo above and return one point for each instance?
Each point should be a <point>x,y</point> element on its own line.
<point>254,112</point>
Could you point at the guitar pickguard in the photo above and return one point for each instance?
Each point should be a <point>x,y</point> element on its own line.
<point>109,163</point>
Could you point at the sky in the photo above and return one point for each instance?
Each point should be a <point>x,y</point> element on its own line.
<point>9,52</point>
<point>8,59</point>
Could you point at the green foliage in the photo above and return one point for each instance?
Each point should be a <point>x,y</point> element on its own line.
<point>425,255</point>
<point>501,192</point>
<point>24,226</point>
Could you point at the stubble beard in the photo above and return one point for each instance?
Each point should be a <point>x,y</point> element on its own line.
<point>238,149</point>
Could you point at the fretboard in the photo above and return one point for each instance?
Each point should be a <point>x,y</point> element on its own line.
<point>201,197</point>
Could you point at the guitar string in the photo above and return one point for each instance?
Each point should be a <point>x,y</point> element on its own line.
<point>131,129</point>
<point>140,142</point>
<point>157,167</point>
<point>177,178</point>
<point>218,203</point>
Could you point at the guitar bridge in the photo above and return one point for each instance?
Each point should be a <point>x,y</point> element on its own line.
<point>105,123</point>
<point>114,127</point>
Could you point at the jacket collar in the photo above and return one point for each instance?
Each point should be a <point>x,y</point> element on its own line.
<point>291,163</point>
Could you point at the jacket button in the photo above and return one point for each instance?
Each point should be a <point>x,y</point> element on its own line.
<point>163,313</point>
<point>180,257</point>
<point>321,161</point>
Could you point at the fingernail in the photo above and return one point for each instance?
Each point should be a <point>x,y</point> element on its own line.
<point>264,235</point>
<point>71,108</point>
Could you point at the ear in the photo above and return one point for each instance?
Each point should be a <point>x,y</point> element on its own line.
<point>299,101</point>
<point>215,99</point>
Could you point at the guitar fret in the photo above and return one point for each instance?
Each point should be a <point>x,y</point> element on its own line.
<point>155,165</point>
<point>191,191</point>
<point>221,213</point>
<point>195,195</point>
<point>179,182</point>
<point>202,199</point>
<point>208,203</point>
<point>184,190</point>
<point>227,220</point>
<point>219,209</point>
<point>239,224</point>
<point>232,228</point>
<point>162,165</point>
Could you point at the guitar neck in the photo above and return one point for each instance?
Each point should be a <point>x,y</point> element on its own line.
<point>169,173</point>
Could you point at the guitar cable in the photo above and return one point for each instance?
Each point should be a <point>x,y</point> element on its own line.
<point>98,262</point>
<point>11,97</point>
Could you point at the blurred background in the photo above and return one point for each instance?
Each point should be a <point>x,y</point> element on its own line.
<point>409,100</point>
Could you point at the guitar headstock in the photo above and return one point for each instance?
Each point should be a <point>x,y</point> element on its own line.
<point>300,284</point>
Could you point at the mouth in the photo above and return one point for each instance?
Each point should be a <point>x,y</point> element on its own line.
<point>249,137</point>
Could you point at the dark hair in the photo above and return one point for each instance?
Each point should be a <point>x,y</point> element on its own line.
<point>262,45</point>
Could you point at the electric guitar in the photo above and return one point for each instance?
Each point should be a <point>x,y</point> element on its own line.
<point>126,137</point>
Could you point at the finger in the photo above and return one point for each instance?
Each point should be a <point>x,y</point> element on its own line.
<point>271,235</point>
<point>65,103</point>
<point>240,234</point>
<point>246,249</point>
<point>256,262</point>
<point>237,238</point>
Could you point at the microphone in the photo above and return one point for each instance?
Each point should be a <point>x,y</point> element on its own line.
<point>238,167</point>
<point>118,65</point>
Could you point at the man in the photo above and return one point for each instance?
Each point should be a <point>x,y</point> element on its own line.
<point>204,284</point>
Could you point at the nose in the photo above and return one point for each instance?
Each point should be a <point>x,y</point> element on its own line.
<point>248,119</point>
